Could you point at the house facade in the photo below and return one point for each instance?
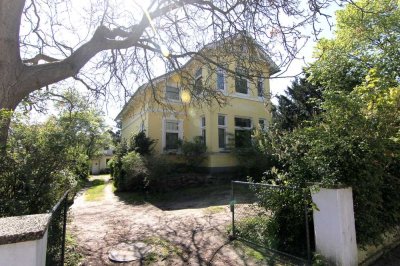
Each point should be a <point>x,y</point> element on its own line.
<point>222,102</point>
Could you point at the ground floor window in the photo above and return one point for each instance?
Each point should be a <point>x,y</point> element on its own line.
<point>243,128</point>
<point>171,134</point>
<point>203,129</point>
<point>222,131</point>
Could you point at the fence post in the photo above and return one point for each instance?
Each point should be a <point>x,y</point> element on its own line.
<point>335,236</point>
<point>232,205</point>
<point>64,227</point>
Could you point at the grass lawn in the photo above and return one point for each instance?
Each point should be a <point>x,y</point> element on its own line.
<point>96,190</point>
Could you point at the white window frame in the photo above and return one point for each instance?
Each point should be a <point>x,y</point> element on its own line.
<point>223,72</point>
<point>164,132</point>
<point>225,127</point>
<point>172,99</point>
<point>243,128</point>
<point>247,82</point>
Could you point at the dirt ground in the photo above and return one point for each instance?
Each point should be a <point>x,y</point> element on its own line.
<point>192,231</point>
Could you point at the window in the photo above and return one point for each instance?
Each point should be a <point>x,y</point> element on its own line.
<point>263,124</point>
<point>172,93</point>
<point>171,134</point>
<point>222,131</point>
<point>203,129</point>
<point>241,81</point>
<point>260,87</point>
<point>243,128</point>
<point>220,79</point>
<point>198,80</point>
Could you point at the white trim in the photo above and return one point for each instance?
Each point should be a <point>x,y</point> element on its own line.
<point>136,117</point>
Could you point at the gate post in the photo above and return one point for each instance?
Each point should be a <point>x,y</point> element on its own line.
<point>334,227</point>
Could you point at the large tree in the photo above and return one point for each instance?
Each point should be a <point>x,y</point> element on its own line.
<point>46,41</point>
<point>301,103</point>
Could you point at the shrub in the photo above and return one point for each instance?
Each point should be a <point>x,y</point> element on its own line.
<point>159,169</point>
<point>255,159</point>
<point>193,152</point>
<point>135,173</point>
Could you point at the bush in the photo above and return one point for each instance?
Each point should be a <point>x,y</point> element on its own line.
<point>193,152</point>
<point>255,159</point>
<point>135,173</point>
<point>36,170</point>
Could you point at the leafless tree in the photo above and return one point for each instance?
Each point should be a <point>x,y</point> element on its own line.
<point>117,43</point>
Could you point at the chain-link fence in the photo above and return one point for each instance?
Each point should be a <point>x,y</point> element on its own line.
<point>56,232</point>
<point>275,218</point>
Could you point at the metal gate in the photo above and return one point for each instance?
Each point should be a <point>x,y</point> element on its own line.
<point>256,222</point>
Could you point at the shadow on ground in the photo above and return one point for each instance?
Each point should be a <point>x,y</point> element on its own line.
<point>189,198</point>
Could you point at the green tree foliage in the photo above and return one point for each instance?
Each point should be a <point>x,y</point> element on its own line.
<point>301,103</point>
<point>142,144</point>
<point>43,160</point>
<point>367,36</point>
<point>355,141</point>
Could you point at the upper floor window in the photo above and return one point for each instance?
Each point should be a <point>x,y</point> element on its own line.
<point>198,80</point>
<point>220,79</point>
<point>172,93</point>
<point>260,87</point>
<point>241,85</point>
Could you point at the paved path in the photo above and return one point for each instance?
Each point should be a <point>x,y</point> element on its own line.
<point>182,233</point>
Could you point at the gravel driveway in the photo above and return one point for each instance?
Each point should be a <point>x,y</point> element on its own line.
<point>192,231</point>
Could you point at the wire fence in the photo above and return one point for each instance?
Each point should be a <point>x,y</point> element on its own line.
<point>56,232</point>
<point>275,218</point>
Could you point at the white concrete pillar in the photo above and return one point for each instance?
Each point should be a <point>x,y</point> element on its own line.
<point>334,227</point>
<point>23,240</point>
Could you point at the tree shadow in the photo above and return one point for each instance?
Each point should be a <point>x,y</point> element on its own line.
<point>201,196</point>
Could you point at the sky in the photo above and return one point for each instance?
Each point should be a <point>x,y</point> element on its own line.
<point>277,85</point>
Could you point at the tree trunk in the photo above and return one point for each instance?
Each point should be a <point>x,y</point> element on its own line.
<point>11,65</point>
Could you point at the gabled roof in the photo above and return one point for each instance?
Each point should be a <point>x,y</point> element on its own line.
<point>272,65</point>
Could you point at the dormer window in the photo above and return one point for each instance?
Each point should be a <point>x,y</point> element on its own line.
<point>172,93</point>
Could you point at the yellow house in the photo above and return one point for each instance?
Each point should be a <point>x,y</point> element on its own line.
<point>220,94</point>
